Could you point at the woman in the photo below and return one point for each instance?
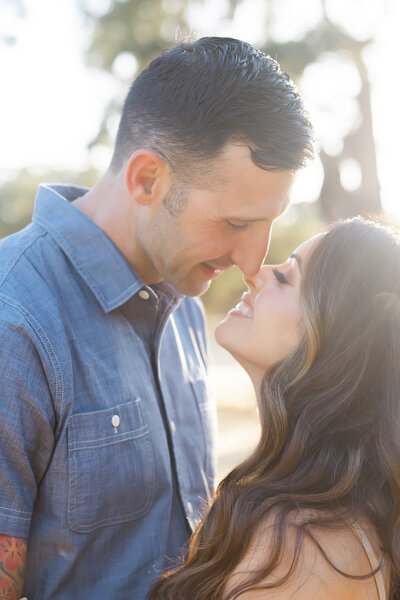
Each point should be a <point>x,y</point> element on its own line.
<point>314,512</point>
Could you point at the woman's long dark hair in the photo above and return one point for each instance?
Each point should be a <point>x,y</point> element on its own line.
<point>330,440</point>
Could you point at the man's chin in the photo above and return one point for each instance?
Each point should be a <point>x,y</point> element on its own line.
<point>195,289</point>
<point>192,288</point>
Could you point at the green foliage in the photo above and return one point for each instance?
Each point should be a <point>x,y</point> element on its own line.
<point>144,27</point>
<point>17,194</point>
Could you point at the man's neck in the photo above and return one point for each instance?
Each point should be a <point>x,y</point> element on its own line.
<point>110,207</point>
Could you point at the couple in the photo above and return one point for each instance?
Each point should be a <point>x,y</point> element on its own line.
<point>106,421</point>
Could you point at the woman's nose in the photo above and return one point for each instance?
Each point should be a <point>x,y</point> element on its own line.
<point>258,280</point>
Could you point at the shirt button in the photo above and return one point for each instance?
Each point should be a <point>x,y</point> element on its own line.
<point>189,507</point>
<point>144,294</point>
<point>115,421</point>
<point>172,424</point>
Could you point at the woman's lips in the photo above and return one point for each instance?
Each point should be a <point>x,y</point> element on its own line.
<point>244,308</point>
<point>246,300</point>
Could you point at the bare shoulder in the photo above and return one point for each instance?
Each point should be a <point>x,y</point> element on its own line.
<point>313,575</point>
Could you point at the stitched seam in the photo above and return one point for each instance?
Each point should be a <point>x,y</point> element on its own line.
<point>150,482</point>
<point>73,477</point>
<point>83,272</point>
<point>121,438</point>
<point>21,512</point>
<point>19,256</point>
<point>105,410</point>
<point>41,334</point>
<point>135,432</point>
<point>16,517</point>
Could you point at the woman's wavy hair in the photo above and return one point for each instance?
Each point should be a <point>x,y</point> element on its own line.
<point>330,418</point>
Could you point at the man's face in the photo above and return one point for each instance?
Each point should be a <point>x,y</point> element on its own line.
<point>227,222</point>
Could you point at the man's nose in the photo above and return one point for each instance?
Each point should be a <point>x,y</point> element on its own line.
<point>250,251</point>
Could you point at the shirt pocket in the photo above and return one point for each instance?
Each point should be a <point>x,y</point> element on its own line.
<point>111,467</point>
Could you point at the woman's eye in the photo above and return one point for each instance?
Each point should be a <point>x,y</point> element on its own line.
<point>280,276</point>
<point>234,226</point>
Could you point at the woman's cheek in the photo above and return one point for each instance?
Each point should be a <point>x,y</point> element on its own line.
<point>277,329</point>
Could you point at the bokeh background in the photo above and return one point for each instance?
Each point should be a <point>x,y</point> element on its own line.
<point>65,68</point>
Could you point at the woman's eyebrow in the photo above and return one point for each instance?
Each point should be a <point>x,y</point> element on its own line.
<point>299,261</point>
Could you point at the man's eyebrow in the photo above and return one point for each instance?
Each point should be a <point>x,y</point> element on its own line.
<point>244,220</point>
<point>259,219</point>
<point>299,261</point>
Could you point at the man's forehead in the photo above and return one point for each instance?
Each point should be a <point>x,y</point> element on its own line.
<point>253,214</point>
<point>260,206</point>
<point>219,171</point>
<point>235,159</point>
<point>233,167</point>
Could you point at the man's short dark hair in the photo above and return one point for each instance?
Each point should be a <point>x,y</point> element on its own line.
<point>196,97</point>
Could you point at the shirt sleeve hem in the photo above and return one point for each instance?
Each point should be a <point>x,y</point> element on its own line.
<point>14,522</point>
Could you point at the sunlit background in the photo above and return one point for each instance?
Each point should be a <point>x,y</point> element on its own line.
<point>66,65</point>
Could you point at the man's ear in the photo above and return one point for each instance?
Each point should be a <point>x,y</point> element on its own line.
<point>146,177</point>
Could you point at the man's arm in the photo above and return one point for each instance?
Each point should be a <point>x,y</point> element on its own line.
<point>27,423</point>
<point>12,566</point>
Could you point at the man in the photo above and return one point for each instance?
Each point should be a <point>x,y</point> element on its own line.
<point>106,424</point>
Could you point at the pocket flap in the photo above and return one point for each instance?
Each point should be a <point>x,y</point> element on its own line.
<point>108,426</point>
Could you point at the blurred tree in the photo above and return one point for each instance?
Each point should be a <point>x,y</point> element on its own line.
<point>127,34</point>
<point>358,147</point>
<point>18,192</point>
<point>10,11</point>
<point>139,29</point>
<point>126,37</point>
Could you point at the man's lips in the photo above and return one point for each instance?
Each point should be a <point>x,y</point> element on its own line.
<point>210,272</point>
<point>218,267</point>
<point>214,270</point>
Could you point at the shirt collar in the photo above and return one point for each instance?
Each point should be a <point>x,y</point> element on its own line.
<point>102,266</point>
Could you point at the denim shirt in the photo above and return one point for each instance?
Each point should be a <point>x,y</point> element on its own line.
<point>106,421</point>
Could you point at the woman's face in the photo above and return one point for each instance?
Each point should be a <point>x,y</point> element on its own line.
<point>265,326</point>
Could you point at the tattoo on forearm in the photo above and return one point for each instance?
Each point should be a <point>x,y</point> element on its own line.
<point>12,567</point>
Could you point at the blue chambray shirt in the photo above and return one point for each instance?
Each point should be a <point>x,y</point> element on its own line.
<point>106,421</point>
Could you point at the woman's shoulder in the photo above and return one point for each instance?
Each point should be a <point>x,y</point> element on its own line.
<point>324,556</point>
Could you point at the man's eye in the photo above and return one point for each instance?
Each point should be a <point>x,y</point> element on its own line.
<point>234,226</point>
<point>280,276</point>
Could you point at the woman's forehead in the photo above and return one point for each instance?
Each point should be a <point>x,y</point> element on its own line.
<point>307,247</point>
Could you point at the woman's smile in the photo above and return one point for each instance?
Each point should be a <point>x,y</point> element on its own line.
<point>272,304</point>
<point>244,308</point>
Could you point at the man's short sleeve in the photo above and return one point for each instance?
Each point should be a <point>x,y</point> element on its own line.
<point>27,421</point>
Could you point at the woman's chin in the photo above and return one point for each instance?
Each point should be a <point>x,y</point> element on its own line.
<point>222,336</point>
<point>229,338</point>
<point>225,338</point>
